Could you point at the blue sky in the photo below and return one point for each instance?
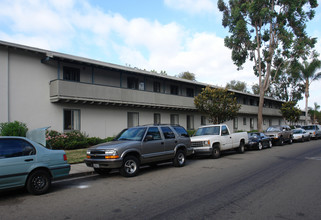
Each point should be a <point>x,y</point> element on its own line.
<point>170,35</point>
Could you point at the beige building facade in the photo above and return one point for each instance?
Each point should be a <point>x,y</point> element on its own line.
<point>45,88</point>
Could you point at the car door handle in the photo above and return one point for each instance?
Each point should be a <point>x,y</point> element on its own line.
<point>27,160</point>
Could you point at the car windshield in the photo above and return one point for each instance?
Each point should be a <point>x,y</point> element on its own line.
<point>273,129</point>
<point>309,127</point>
<point>215,130</point>
<point>254,135</point>
<point>297,131</point>
<point>132,134</point>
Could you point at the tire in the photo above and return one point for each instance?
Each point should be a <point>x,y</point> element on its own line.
<point>130,167</point>
<point>179,159</point>
<point>302,139</point>
<point>270,144</point>
<point>291,140</point>
<point>38,182</point>
<point>216,152</point>
<point>259,146</point>
<point>102,171</point>
<point>281,141</point>
<point>241,148</point>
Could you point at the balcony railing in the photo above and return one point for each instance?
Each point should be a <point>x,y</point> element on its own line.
<point>68,91</point>
<point>77,92</point>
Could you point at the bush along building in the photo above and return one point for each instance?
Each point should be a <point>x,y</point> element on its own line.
<point>45,88</point>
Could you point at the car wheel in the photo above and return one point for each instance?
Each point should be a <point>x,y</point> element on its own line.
<point>291,140</point>
<point>179,159</point>
<point>302,139</point>
<point>102,171</point>
<point>130,167</point>
<point>38,182</point>
<point>241,148</point>
<point>270,144</point>
<point>259,146</point>
<point>281,141</point>
<point>216,152</point>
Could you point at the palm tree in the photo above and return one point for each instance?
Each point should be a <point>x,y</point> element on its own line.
<point>308,74</point>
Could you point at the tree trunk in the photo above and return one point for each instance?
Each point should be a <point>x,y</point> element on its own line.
<point>260,111</point>
<point>306,101</point>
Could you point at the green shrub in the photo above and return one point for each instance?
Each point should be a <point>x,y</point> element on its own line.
<point>191,132</point>
<point>72,140</point>
<point>15,128</point>
<point>94,141</point>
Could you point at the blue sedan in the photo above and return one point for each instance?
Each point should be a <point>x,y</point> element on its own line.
<point>258,141</point>
<point>25,163</point>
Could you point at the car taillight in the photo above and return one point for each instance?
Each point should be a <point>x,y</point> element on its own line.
<point>65,157</point>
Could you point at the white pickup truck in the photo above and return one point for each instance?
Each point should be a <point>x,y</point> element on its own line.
<point>213,139</point>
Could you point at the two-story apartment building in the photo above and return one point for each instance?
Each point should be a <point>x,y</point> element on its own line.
<point>46,88</point>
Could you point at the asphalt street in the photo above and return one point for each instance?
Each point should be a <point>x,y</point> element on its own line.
<point>278,183</point>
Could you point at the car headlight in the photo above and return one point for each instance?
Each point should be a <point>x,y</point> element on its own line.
<point>206,143</point>
<point>111,154</point>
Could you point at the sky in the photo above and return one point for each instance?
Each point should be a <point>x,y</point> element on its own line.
<point>163,35</point>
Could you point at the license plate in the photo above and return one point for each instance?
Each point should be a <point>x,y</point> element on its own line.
<point>96,165</point>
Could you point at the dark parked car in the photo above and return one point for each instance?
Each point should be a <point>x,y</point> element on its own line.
<point>258,141</point>
<point>280,134</point>
<point>135,146</point>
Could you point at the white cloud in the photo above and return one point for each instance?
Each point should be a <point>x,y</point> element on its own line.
<point>78,28</point>
<point>192,6</point>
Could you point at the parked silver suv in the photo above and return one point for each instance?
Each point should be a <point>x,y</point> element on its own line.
<point>135,146</point>
<point>280,134</point>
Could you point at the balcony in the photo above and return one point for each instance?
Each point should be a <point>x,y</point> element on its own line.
<point>86,93</point>
<point>253,110</point>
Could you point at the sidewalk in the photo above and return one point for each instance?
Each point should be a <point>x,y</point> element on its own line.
<point>80,169</point>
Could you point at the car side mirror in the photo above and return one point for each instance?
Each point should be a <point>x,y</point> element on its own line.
<point>148,138</point>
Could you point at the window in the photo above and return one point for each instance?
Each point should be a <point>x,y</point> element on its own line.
<point>174,119</point>
<point>174,90</point>
<point>15,148</point>
<point>190,122</point>
<point>203,120</point>
<point>72,74</point>
<point>190,92</point>
<point>245,101</point>
<point>132,119</point>
<point>132,83</point>
<point>244,121</point>
<point>235,123</point>
<point>154,132</point>
<point>251,123</point>
<point>71,119</point>
<point>157,86</point>
<point>168,133</point>
<point>181,131</point>
<point>157,118</point>
<point>224,131</point>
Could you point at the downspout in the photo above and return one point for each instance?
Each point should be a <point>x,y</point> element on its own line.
<point>92,75</point>
<point>8,90</point>
<point>58,70</point>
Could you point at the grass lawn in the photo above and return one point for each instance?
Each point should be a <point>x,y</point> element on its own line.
<point>76,156</point>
